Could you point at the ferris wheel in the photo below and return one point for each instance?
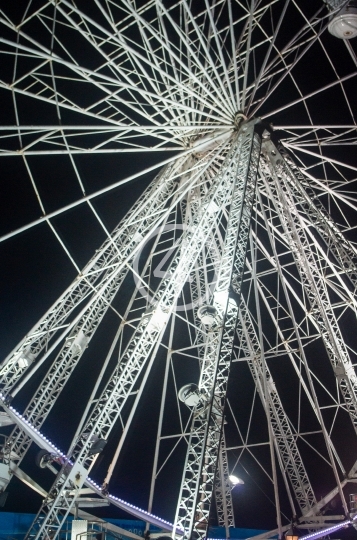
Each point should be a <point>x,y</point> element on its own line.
<point>181,183</point>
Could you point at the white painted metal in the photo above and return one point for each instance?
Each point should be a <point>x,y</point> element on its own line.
<point>284,440</point>
<point>122,381</point>
<point>223,491</point>
<point>198,480</point>
<point>313,280</point>
<point>79,529</point>
<point>85,325</point>
<point>182,77</point>
<point>110,261</point>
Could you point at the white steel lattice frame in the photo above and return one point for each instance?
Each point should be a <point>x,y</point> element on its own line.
<point>145,338</point>
<point>203,447</point>
<point>50,387</point>
<point>166,78</point>
<point>283,436</point>
<point>110,264</point>
<point>308,264</point>
<point>223,490</point>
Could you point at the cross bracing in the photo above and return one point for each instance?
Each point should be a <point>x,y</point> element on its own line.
<point>101,88</point>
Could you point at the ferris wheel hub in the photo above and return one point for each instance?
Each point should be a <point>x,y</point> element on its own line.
<point>239,118</point>
<point>212,140</point>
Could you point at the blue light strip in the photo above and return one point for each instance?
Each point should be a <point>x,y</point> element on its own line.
<point>321,533</point>
<point>46,444</point>
<point>324,532</point>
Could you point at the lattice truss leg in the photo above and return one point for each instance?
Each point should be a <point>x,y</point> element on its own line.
<point>228,286</point>
<point>190,215</point>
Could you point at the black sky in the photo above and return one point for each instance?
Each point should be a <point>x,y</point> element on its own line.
<point>35,270</point>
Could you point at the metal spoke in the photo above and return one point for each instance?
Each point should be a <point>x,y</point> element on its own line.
<point>227,292</point>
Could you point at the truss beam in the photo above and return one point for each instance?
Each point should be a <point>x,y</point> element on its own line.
<point>284,439</point>
<point>198,480</point>
<point>149,331</point>
<point>307,262</point>
<point>103,274</point>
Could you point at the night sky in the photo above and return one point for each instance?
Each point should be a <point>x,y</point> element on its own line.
<point>35,270</point>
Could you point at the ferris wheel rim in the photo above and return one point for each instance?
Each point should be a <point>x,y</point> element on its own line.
<point>169,131</point>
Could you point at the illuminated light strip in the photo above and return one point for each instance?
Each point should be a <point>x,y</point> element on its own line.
<point>319,534</point>
<point>132,509</point>
<point>329,530</point>
<point>46,444</point>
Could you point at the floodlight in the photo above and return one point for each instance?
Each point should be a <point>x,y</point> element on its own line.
<point>234,480</point>
<point>344,24</point>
